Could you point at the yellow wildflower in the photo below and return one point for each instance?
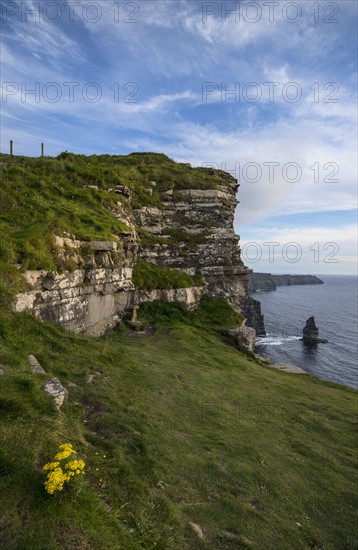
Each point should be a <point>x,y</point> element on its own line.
<point>75,465</point>
<point>51,465</point>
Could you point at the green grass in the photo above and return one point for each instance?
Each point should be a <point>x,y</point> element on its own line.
<point>147,276</point>
<point>192,430</point>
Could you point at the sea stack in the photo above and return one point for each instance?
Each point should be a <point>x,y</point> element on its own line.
<point>311,334</point>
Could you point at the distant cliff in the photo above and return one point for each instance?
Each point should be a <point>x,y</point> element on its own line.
<point>266,281</point>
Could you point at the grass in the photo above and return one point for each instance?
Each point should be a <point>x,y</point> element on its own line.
<point>147,276</point>
<point>192,430</point>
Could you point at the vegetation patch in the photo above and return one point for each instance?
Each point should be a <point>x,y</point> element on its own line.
<point>147,276</point>
<point>212,314</point>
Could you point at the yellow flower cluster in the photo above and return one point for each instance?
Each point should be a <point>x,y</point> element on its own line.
<point>57,477</point>
<point>75,465</point>
<point>51,465</point>
<point>67,450</point>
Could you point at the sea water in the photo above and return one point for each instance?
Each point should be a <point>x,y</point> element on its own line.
<point>334,307</point>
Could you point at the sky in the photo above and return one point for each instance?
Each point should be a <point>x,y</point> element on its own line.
<point>263,89</point>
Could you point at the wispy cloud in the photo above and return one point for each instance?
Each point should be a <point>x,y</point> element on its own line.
<point>163,54</point>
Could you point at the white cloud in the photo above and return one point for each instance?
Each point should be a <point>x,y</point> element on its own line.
<point>301,250</point>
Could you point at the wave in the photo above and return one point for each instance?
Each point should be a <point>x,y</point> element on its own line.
<point>275,340</point>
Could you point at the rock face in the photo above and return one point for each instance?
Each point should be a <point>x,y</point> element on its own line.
<point>265,281</point>
<point>311,334</point>
<point>201,222</point>
<point>245,337</point>
<point>251,309</point>
<point>190,230</point>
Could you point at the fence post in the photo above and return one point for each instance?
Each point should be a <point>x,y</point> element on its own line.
<point>42,150</point>
<point>11,147</point>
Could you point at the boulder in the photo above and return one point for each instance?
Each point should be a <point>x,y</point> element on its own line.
<point>36,367</point>
<point>245,337</point>
<point>55,389</point>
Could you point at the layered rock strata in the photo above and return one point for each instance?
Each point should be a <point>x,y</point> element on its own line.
<point>191,230</point>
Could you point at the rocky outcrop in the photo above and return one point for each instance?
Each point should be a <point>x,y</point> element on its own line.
<point>245,337</point>
<point>86,299</point>
<point>251,310</point>
<point>311,334</point>
<point>55,390</point>
<point>259,282</point>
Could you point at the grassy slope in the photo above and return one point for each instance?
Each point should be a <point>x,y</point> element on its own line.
<point>192,430</point>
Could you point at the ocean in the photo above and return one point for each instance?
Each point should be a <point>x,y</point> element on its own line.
<point>334,306</point>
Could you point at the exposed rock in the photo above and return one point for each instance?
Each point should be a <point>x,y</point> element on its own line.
<point>245,337</point>
<point>311,334</point>
<point>189,296</point>
<point>55,389</point>
<point>2,372</point>
<point>36,367</point>
<point>103,245</point>
<point>259,282</point>
<point>197,529</point>
<point>123,190</point>
<point>251,309</point>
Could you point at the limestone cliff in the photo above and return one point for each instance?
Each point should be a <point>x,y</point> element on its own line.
<point>267,281</point>
<point>198,232</point>
<point>179,226</point>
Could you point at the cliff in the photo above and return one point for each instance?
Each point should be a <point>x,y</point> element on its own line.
<point>99,234</point>
<point>266,281</point>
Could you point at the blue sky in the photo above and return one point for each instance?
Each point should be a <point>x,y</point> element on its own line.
<point>156,75</point>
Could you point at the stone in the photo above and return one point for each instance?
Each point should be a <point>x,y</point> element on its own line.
<point>36,367</point>
<point>55,390</point>
<point>103,245</point>
<point>311,334</point>
<point>245,337</point>
<point>123,190</point>
<point>197,529</point>
<point>2,372</point>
